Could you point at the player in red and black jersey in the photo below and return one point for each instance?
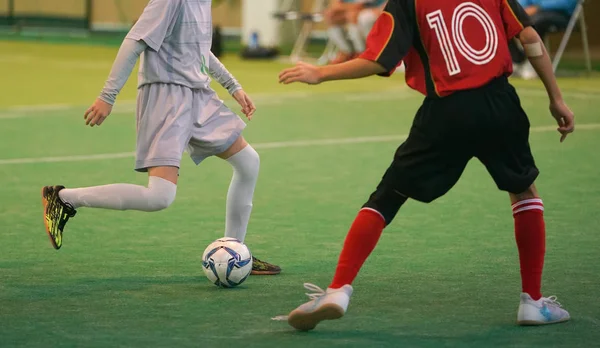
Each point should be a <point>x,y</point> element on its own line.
<point>456,53</point>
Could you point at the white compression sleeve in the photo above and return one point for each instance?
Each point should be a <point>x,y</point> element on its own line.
<point>159,194</point>
<point>336,34</point>
<point>124,63</point>
<point>245,165</point>
<point>356,36</point>
<point>219,72</point>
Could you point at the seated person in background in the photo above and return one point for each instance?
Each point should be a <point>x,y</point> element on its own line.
<point>546,16</point>
<point>358,17</point>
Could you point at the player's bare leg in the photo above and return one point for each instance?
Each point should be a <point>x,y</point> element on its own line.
<point>355,34</point>
<point>530,233</point>
<point>335,18</point>
<point>61,203</point>
<point>245,162</point>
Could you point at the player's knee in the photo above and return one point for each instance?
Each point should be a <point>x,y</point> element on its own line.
<point>161,193</point>
<point>529,193</point>
<point>387,202</point>
<point>246,162</point>
<point>160,202</point>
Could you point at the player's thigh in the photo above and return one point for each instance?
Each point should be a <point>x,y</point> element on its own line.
<point>166,172</point>
<point>423,170</point>
<point>238,145</point>
<point>217,130</point>
<point>431,160</point>
<point>164,125</point>
<point>505,149</point>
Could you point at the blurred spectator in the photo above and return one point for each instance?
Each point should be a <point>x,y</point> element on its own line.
<point>546,16</point>
<point>349,23</point>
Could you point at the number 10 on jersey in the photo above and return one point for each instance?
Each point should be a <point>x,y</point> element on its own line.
<point>457,40</point>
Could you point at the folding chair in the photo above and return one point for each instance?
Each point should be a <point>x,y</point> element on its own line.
<point>577,16</point>
<point>288,12</point>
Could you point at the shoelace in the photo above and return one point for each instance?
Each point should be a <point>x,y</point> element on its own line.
<point>552,301</point>
<point>315,293</point>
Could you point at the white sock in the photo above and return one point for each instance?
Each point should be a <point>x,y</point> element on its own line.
<point>337,35</point>
<point>366,20</point>
<point>159,194</point>
<point>355,35</point>
<point>241,190</point>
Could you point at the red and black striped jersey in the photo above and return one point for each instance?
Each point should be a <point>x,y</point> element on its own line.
<point>446,45</point>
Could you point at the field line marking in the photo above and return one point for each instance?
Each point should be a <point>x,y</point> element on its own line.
<point>269,99</point>
<point>269,145</point>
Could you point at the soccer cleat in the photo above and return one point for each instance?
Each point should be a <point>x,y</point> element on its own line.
<point>324,305</point>
<point>264,268</point>
<point>544,311</point>
<point>56,214</point>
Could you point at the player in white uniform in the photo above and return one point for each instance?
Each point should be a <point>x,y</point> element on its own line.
<point>176,110</point>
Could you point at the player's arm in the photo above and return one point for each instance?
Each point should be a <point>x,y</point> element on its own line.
<point>150,30</point>
<point>219,72</point>
<point>517,23</point>
<point>311,74</point>
<point>540,60</point>
<point>127,56</point>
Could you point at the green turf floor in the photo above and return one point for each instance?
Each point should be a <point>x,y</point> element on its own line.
<point>444,274</point>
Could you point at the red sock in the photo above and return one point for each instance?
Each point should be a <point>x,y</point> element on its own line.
<point>530,233</point>
<point>360,242</point>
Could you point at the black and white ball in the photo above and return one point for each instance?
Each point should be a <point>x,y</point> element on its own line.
<point>227,262</point>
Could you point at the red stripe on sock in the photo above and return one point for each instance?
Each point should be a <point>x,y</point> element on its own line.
<point>360,242</point>
<point>530,233</point>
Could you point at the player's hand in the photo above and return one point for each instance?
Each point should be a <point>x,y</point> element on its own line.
<point>564,117</point>
<point>97,113</point>
<point>302,72</point>
<point>245,102</point>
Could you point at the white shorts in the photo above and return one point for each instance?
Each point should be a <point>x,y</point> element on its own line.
<point>172,118</point>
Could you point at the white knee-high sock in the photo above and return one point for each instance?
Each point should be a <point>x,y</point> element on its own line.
<point>159,194</point>
<point>356,36</point>
<point>245,165</point>
<point>337,35</point>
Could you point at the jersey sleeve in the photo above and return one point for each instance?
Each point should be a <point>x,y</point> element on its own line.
<point>390,39</point>
<point>514,17</point>
<point>155,23</point>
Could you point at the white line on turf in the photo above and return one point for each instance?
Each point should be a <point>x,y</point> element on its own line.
<point>270,145</point>
<point>266,99</point>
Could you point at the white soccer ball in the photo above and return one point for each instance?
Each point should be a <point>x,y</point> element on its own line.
<point>227,262</point>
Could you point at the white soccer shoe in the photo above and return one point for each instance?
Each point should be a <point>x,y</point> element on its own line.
<point>544,311</point>
<point>324,305</point>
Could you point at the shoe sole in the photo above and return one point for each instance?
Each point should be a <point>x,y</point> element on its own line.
<point>305,321</point>
<point>265,272</point>
<point>45,205</point>
<point>538,323</point>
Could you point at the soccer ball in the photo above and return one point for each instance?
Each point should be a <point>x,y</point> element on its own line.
<point>227,262</point>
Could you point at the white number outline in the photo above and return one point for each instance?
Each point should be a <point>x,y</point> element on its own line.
<point>483,56</point>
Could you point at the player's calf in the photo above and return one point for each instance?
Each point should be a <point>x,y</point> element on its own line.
<point>386,201</point>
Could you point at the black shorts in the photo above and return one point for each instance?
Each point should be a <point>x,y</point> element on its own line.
<point>487,123</point>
